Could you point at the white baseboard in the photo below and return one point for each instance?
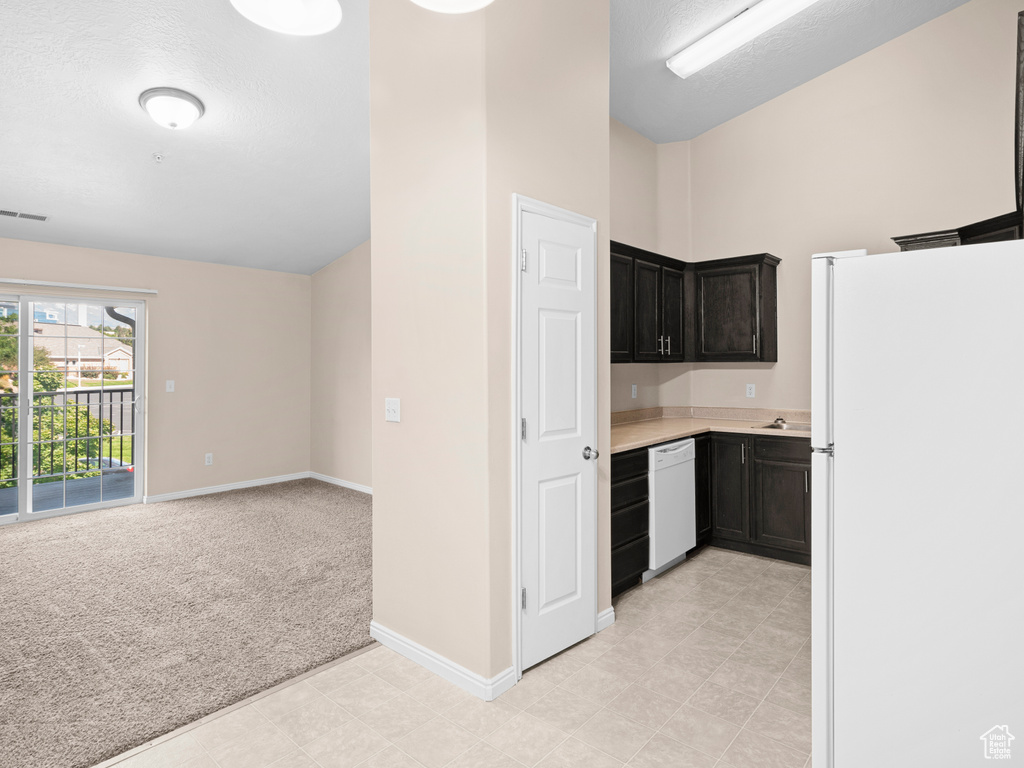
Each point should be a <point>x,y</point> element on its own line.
<point>605,618</point>
<point>253,484</point>
<point>342,483</point>
<point>481,687</point>
<point>226,487</point>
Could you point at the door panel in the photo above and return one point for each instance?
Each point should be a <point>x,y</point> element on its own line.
<point>646,286</point>
<point>782,495</point>
<point>672,319</point>
<point>730,487</point>
<point>727,310</point>
<point>558,402</point>
<point>559,375</point>
<point>560,522</point>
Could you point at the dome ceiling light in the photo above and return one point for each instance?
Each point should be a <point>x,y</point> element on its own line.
<point>453,6</point>
<point>171,107</point>
<point>292,17</point>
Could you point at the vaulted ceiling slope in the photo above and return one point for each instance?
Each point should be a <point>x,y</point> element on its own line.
<point>647,97</point>
<point>275,175</point>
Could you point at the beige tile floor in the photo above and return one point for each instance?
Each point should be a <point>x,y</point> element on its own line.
<point>708,665</point>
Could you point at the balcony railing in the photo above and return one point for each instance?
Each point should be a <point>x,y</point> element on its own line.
<point>103,418</point>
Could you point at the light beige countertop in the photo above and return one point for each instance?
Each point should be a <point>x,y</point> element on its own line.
<point>640,434</point>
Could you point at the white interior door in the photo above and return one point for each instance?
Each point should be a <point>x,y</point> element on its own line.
<point>558,401</point>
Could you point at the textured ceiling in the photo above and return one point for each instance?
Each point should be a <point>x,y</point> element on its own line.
<point>275,175</point>
<point>647,97</point>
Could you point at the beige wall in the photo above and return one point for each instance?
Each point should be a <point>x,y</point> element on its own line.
<point>913,136</point>
<point>431,564</point>
<point>675,202</point>
<point>340,406</point>
<point>634,188</point>
<point>236,343</point>
<point>453,137</point>
<point>547,138</point>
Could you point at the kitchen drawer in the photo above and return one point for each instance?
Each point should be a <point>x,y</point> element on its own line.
<point>629,464</point>
<point>629,492</point>
<point>796,449</point>
<point>628,563</point>
<point>630,523</point>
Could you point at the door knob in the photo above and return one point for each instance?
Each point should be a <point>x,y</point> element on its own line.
<point>590,453</point>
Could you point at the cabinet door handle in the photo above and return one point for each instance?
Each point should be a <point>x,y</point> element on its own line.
<point>743,453</point>
<point>661,345</point>
<point>807,486</point>
<point>755,343</point>
<point>669,344</point>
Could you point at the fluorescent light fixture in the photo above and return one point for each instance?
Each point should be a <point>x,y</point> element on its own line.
<point>754,21</point>
<point>171,107</point>
<point>292,17</point>
<point>453,6</point>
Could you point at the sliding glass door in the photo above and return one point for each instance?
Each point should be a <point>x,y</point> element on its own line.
<point>71,384</point>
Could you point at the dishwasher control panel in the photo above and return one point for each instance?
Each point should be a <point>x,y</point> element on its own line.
<point>671,453</point>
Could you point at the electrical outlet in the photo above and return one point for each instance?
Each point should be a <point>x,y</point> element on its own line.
<point>392,409</point>
<point>209,459</point>
<point>634,391</point>
<point>170,385</point>
<point>750,390</point>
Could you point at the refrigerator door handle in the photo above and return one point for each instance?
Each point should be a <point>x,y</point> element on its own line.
<point>829,450</point>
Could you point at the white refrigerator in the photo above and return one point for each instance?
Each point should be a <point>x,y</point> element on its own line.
<point>918,508</point>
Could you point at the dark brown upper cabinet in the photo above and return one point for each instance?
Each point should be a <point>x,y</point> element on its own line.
<point>647,337</point>
<point>622,308</point>
<point>735,312</point>
<point>673,308</point>
<point>648,297</point>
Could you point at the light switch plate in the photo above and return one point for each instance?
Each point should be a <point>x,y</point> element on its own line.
<point>634,391</point>
<point>392,409</point>
<point>209,459</point>
<point>170,385</point>
<point>750,390</point>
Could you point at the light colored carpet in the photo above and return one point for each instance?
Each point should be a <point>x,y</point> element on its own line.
<point>120,625</point>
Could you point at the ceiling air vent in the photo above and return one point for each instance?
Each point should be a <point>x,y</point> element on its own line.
<point>16,215</point>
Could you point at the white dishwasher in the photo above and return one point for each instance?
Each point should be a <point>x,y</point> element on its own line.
<point>673,524</point>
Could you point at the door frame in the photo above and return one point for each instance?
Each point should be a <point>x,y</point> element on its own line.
<point>520,205</point>
<point>24,408</point>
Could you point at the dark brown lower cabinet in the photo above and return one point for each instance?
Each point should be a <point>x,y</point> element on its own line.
<point>760,495</point>
<point>752,494</point>
<point>730,487</point>
<point>630,519</point>
<point>702,491</point>
<point>781,500</point>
